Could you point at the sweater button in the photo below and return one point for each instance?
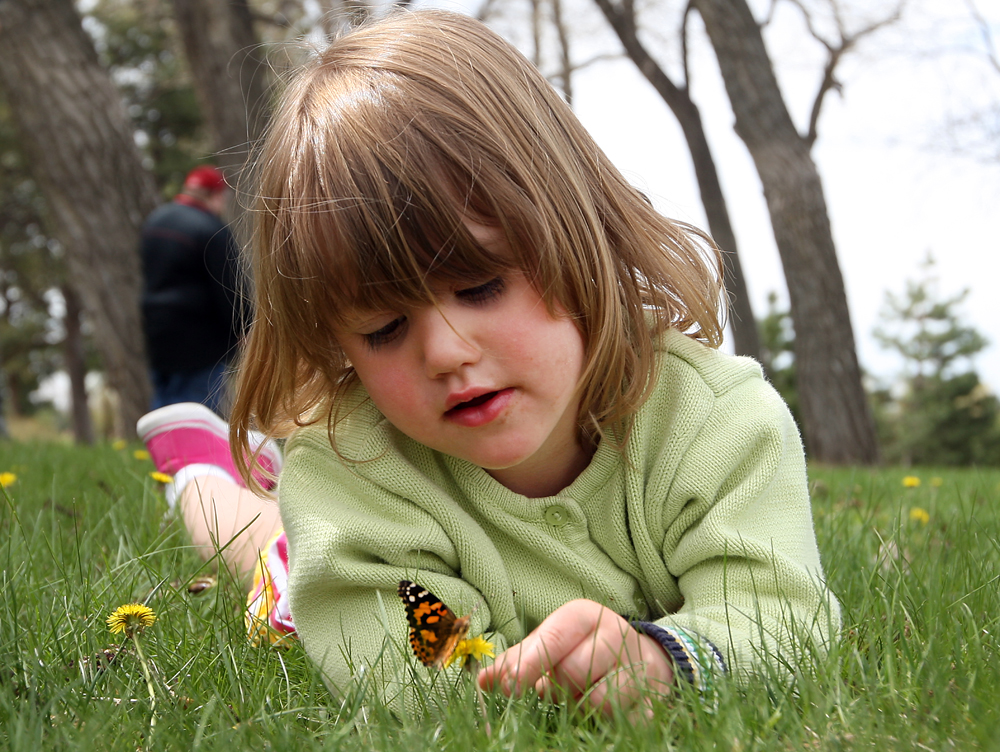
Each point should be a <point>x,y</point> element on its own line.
<point>556,515</point>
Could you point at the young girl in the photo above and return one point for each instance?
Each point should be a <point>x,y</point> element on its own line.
<point>496,367</point>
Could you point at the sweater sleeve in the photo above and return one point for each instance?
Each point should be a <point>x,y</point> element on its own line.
<point>743,546</point>
<point>350,543</point>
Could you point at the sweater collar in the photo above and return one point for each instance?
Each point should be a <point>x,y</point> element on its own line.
<point>604,465</point>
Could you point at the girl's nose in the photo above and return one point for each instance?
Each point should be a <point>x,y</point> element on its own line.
<point>445,347</point>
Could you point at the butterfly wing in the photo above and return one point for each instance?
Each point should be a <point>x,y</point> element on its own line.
<point>434,628</point>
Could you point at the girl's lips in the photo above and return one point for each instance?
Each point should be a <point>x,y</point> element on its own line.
<point>481,410</point>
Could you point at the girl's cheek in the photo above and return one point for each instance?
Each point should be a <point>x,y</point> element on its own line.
<point>390,388</point>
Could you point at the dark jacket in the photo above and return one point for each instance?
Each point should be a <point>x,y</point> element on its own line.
<point>193,312</point>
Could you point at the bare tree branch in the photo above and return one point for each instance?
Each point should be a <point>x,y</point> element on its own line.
<point>984,29</point>
<point>536,33</point>
<point>562,77</point>
<point>599,58</point>
<point>827,83</point>
<point>771,7</point>
<point>565,65</point>
<point>835,52</point>
<point>683,33</point>
<point>486,10</point>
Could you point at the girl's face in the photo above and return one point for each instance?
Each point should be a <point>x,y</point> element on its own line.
<point>487,375</point>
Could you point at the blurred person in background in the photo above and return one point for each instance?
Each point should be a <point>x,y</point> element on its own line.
<point>191,299</point>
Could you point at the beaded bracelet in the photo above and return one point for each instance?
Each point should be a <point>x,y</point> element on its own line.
<point>689,655</point>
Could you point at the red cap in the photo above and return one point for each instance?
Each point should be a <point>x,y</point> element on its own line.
<point>205,177</point>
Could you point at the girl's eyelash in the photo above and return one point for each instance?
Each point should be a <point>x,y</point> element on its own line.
<point>385,335</point>
<point>479,294</point>
<point>482,293</point>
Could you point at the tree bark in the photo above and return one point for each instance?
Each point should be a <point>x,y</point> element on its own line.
<point>76,368</point>
<point>742,321</point>
<point>81,147</point>
<point>837,420</point>
<point>4,432</point>
<point>229,74</point>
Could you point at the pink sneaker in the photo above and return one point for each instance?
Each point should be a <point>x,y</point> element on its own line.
<point>189,433</point>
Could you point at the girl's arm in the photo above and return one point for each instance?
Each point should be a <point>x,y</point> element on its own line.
<point>744,549</point>
<point>350,545</point>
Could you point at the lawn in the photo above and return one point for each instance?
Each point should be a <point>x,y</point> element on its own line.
<point>916,567</point>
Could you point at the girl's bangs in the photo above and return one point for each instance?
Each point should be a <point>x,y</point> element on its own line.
<point>380,254</point>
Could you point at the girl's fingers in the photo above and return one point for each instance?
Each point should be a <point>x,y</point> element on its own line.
<point>603,669</point>
<point>547,689</point>
<point>598,681</point>
<point>538,655</point>
<point>583,650</point>
<point>512,672</point>
<point>621,688</point>
<point>556,637</point>
<point>490,678</point>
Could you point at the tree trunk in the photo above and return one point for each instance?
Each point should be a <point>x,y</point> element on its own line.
<point>742,321</point>
<point>4,432</point>
<point>836,417</point>
<point>83,155</point>
<point>76,368</point>
<point>229,74</point>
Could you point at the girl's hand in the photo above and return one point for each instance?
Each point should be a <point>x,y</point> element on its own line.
<point>584,650</point>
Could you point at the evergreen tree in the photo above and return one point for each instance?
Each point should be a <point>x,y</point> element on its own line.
<point>137,41</point>
<point>777,350</point>
<point>940,413</point>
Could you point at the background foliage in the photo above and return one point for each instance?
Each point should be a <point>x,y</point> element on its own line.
<point>939,411</point>
<point>936,410</point>
<point>137,41</point>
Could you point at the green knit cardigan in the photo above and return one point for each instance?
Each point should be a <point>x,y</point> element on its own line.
<point>703,527</point>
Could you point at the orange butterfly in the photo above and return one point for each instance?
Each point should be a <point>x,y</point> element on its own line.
<point>435,631</point>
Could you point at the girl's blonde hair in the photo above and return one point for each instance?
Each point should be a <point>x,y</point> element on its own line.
<point>377,152</point>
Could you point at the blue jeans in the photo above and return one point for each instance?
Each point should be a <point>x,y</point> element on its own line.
<point>207,385</point>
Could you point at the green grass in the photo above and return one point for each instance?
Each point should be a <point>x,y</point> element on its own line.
<point>82,531</point>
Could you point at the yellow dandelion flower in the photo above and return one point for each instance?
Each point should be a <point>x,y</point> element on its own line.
<point>920,515</point>
<point>140,454</point>
<point>937,482</point>
<point>160,477</point>
<point>119,444</point>
<point>131,619</point>
<point>911,481</point>
<point>7,479</point>
<point>474,647</point>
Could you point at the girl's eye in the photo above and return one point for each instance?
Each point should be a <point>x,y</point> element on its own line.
<point>482,293</point>
<point>385,335</point>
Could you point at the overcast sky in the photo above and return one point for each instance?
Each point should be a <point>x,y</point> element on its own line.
<point>896,183</point>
